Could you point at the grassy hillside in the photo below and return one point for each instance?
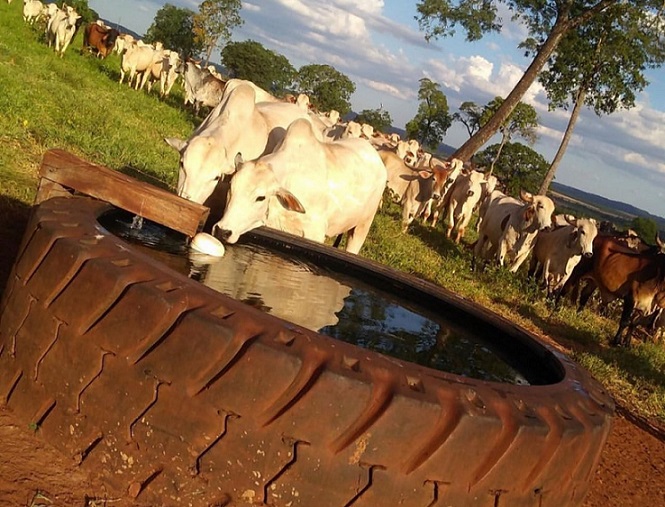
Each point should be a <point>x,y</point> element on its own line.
<point>75,103</point>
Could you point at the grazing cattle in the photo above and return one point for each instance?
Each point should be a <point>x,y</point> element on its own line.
<point>137,60</point>
<point>163,70</point>
<point>201,87</point>
<point>558,251</point>
<point>236,126</point>
<point>638,278</point>
<point>429,185</point>
<point>307,187</point>
<point>461,201</point>
<point>62,27</point>
<point>32,10</point>
<point>510,226</point>
<point>99,40</point>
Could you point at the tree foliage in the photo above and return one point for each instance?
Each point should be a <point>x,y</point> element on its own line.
<point>522,121</point>
<point>469,115</point>
<point>520,167</point>
<point>215,21</point>
<point>645,228</point>
<point>378,118</point>
<point>547,22</point>
<point>327,87</point>
<point>432,120</point>
<point>265,68</point>
<point>174,27</point>
<point>600,65</point>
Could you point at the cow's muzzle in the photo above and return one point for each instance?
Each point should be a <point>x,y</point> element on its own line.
<point>588,254</point>
<point>223,234</point>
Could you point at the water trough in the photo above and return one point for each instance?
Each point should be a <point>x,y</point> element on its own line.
<point>175,394</point>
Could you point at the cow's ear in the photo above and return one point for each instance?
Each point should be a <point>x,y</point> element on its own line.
<point>425,174</point>
<point>176,143</point>
<point>289,201</point>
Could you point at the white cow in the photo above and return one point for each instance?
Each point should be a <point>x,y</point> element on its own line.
<point>399,173</point>
<point>201,87</point>
<point>307,187</point>
<point>560,250</point>
<point>510,226</point>
<point>123,42</point>
<point>236,126</point>
<point>461,201</point>
<point>136,60</point>
<point>32,10</point>
<point>62,27</point>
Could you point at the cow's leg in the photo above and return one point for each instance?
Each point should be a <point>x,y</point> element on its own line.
<point>450,218</point>
<point>356,237</point>
<point>626,314</point>
<point>407,216</point>
<point>478,250</point>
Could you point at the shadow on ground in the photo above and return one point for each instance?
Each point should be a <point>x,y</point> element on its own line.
<point>14,216</point>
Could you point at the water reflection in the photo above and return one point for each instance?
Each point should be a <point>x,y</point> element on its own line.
<point>277,285</point>
<point>331,303</point>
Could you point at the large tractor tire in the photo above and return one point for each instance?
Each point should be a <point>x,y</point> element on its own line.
<point>174,394</point>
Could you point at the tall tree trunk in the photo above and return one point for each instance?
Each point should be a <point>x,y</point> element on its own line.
<point>471,146</point>
<point>579,102</point>
<point>504,139</point>
<point>208,53</point>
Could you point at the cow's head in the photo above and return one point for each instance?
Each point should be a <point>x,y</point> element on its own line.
<point>254,188</point>
<point>203,163</point>
<point>539,210</point>
<point>444,177</point>
<point>583,232</point>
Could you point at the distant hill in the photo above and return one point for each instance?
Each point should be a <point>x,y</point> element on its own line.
<point>594,205</point>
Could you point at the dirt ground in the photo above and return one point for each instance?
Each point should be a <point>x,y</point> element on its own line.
<point>33,474</point>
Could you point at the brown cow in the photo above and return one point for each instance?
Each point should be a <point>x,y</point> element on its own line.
<point>99,40</point>
<point>638,278</point>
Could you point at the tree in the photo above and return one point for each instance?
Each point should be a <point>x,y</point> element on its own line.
<point>522,121</point>
<point>327,88</point>
<point>547,22</point>
<point>174,27</point>
<point>216,20</point>
<point>432,120</point>
<point>601,66</point>
<point>645,228</point>
<point>520,167</point>
<point>378,118</point>
<point>250,60</point>
<point>469,115</point>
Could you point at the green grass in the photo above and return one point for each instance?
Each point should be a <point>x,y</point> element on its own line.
<point>76,104</point>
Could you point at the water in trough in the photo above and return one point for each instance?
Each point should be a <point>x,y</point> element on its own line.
<point>329,302</point>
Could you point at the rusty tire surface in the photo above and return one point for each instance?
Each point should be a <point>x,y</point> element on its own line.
<point>177,395</point>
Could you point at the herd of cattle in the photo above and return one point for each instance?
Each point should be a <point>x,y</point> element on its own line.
<point>259,160</point>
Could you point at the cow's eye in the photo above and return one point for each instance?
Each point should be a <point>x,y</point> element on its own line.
<point>261,198</point>
<point>217,178</point>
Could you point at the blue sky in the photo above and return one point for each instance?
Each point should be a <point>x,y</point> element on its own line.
<point>378,45</point>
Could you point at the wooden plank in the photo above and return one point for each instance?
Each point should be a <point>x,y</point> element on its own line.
<point>67,170</point>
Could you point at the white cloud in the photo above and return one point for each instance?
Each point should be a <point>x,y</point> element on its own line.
<point>251,7</point>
